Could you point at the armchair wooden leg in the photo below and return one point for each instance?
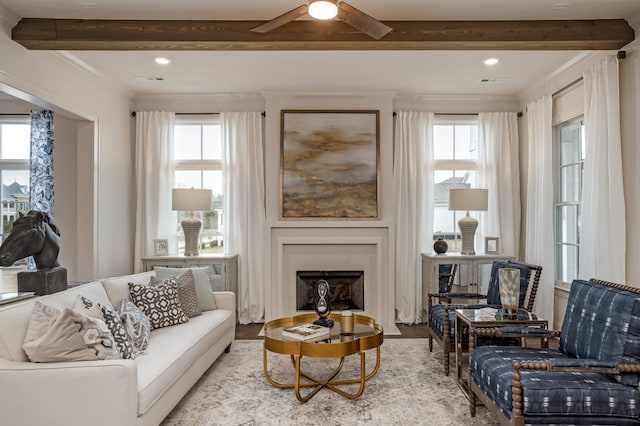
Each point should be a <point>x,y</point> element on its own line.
<point>472,402</point>
<point>430,344</point>
<point>446,363</point>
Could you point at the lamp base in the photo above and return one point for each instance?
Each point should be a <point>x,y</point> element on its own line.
<point>191,226</point>
<point>468,226</point>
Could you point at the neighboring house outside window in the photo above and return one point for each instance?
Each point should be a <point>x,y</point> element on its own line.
<point>15,135</point>
<point>455,140</point>
<point>569,162</point>
<point>198,164</point>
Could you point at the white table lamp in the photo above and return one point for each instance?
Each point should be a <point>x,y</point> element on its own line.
<point>468,199</point>
<point>190,200</point>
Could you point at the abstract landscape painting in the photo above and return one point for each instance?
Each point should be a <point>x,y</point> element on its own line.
<point>329,165</point>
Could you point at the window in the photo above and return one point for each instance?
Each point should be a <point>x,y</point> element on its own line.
<point>15,137</point>
<point>569,160</point>
<point>198,154</point>
<point>455,141</point>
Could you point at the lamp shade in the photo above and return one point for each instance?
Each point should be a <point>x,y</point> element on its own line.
<point>190,199</point>
<point>323,9</point>
<point>469,199</point>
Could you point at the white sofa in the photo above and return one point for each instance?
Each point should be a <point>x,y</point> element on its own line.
<point>120,392</point>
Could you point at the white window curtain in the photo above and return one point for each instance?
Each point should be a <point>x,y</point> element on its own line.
<point>539,247</point>
<point>603,243</point>
<point>244,208</point>
<point>499,167</point>
<point>154,159</point>
<point>413,188</point>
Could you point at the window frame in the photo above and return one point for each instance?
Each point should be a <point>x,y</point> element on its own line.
<point>558,203</point>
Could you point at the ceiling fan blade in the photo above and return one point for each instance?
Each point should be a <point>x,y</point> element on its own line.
<point>361,21</point>
<point>285,18</point>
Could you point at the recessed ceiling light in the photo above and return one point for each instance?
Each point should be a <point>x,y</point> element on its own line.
<point>161,60</point>
<point>88,5</point>
<point>560,6</point>
<point>491,61</point>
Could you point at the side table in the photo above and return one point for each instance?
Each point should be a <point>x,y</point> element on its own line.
<point>476,319</point>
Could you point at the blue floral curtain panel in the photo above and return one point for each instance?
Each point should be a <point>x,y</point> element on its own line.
<point>41,184</point>
<point>41,168</point>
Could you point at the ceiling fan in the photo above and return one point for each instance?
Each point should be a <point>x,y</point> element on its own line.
<point>328,9</point>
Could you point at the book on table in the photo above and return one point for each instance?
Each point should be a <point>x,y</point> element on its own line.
<point>306,331</point>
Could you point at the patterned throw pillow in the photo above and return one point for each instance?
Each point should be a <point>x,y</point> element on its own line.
<point>186,292</point>
<point>54,336</point>
<point>119,332</point>
<point>86,307</point>
<point>137,325</point>
<point>160,304</point>
<point>206,301</point>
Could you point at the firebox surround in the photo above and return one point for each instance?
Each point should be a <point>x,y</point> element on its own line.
<point>347,289</point>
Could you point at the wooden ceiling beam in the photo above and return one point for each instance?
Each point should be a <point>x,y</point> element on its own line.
<point>88,34</point>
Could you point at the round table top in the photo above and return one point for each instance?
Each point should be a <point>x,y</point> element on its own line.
<point>367,335</point>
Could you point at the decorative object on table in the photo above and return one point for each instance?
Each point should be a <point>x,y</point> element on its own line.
<point>306,332</point>
<point>330,165</point>
<point>190,200</point>
<point>160,247</point>
<point>440,246</point>
<point>323,304</point>
<point>469,199</point>
<point>346,322</point>
<point>35,234</point>
<point>491,245</point>
<point>509,281</point>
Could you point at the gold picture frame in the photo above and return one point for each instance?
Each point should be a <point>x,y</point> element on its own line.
<point>491,245</point>
<point>330,165</point>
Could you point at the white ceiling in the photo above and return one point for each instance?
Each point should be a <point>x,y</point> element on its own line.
<point>423,72</point>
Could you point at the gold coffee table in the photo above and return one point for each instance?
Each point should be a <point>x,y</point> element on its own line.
<point>367,335</point>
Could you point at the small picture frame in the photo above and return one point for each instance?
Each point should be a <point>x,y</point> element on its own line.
<point>491,245</point>
<point>160,247</point>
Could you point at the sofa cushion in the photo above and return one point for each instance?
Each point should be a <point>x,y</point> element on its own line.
<point>55,336</point>
<point>550,393</point>
<point>206,302</point>
<point>137,325</point>
<point>160,304</point>
<point>186,291</point>
<point>118,287</point>
<point>602,323</point>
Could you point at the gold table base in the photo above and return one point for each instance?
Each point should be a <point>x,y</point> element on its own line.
<point>371,339</point>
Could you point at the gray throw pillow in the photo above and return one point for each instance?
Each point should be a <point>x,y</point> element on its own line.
<point>204,294</point>
<point>186,292</point>
<point>137,325</point>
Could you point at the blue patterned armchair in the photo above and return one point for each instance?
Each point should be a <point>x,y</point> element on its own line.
<point>593,376</point>
<point>443,313</point>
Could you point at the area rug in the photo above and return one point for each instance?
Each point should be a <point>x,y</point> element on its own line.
<point>409,389</point>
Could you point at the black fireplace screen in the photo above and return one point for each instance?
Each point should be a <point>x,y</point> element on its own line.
<point>347,289</point>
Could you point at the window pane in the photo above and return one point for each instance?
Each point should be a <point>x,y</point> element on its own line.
<point>466,142</point>
<point>187,142</point>
<point>567,224</point>
<point>15,141</point>
<point>188,179</point>
<point>443,142</point>
<point>566,262</point>
<point>570,177</point>
<point>213,180</point>
<point>15,196</point>
<point>570,144</point>
<point>212,144</point>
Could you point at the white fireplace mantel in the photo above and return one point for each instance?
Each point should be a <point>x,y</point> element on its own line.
<point>331,248</point>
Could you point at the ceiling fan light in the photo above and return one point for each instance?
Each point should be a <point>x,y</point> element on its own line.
<point>323,9</point>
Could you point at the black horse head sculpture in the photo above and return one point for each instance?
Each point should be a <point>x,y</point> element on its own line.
<point>33,234</point>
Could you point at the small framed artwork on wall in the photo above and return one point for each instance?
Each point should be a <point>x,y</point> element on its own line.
<point>160,247</point>
<point>491,245</point>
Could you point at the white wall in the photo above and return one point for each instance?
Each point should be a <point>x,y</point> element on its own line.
<point>104,161</point>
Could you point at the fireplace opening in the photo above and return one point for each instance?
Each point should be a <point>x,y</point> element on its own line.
<point>347,289</point>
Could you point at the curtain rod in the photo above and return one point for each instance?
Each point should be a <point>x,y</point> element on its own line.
<point>133,113</point>
<point>567,86</point>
